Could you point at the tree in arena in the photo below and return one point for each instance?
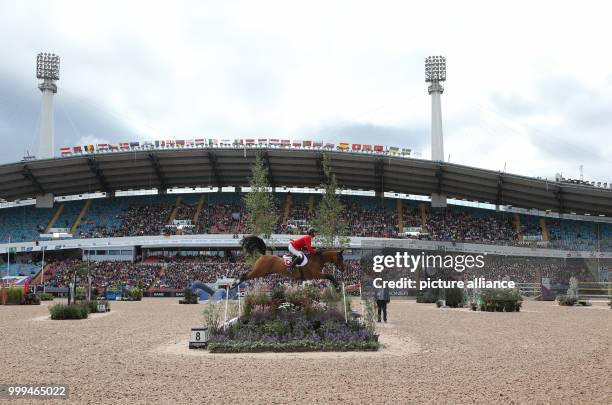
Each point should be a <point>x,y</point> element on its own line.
<point>329,220</point>
<point>260,202</point>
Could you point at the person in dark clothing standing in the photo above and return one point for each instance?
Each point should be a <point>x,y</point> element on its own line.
<point>382,299</point>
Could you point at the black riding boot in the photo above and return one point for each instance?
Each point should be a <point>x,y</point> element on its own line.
<point>295,261</point>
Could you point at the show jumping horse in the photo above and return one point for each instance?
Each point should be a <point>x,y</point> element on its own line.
<point>270,264</point>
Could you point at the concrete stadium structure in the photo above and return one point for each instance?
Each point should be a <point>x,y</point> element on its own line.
<point>221,167</point>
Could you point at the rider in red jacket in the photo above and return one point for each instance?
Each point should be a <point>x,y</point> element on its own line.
<point>297,245</point>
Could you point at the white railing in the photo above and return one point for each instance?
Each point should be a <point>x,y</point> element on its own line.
<point>282,240</point>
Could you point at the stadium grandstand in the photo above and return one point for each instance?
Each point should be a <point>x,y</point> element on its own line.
<point>165,213</point>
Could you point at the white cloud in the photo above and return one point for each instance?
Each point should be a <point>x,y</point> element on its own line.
<point>528,82</point>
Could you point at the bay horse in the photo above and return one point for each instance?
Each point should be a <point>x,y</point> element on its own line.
<point>271,264</point>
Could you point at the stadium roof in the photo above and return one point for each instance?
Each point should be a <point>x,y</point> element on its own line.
<point>220,167</point>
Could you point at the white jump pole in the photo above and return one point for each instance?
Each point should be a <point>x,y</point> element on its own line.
<point>226,303</point>
<point>42,270</point>
<point>344,299</point>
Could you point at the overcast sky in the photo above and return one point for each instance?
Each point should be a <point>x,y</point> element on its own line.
<point>529,85</point>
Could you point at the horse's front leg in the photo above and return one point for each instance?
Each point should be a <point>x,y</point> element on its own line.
<point>332,279</point>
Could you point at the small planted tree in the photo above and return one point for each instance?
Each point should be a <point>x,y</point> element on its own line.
<point>260,202</point>
<point>330,220</point>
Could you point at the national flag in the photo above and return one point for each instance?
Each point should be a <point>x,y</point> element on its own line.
<point>317,144</point>
<point>147,145</point>
<point>366,148</point>
<point>114,146</point>
<point>307,144</point>
<point>180,142</point>
<point>65,151</point>
<point>343,146</point>
<point>262,141</point>
<point>275,142</point>
<point>379,148</point>
<point>134,144</point>
<point>296,144</point>
<point>406,151</point>
<point>124,145</point>
<point>77,149</point>
<point>89,148</point>
<point>189,142</point>
<point>285,142</point>
<point>356,146</point>
<point>250,142</point>
<point>393,150</point>
<point>102,147</point>
<point>329,145</point>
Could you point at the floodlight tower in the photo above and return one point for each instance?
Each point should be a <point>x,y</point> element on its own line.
<point>435,74</point>
<point>47,69</point>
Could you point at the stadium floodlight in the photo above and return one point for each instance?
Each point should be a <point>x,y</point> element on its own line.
<point>435,73</point>
<point>435,69</point>
<point>47,66</point>
<point>47,69</point>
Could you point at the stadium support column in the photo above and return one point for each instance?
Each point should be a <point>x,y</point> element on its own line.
<point>435,73</point>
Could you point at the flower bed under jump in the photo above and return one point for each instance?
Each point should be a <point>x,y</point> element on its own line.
<point>294,319</point>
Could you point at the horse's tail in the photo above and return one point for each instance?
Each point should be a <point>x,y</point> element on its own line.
<point>252,244</point>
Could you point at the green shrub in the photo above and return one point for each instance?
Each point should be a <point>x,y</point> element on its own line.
<point>31,299</point>
<point>73,311</point>
<point>45,296</point>
<point>500,300</point>
<point>567,300</point>
<point>427,298</point>
<point>14,296</point>
<point>92,306</point>
<point>134,294</point>
<point>454,297</point>
<point>293,346</point>
<point>189,297</point>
